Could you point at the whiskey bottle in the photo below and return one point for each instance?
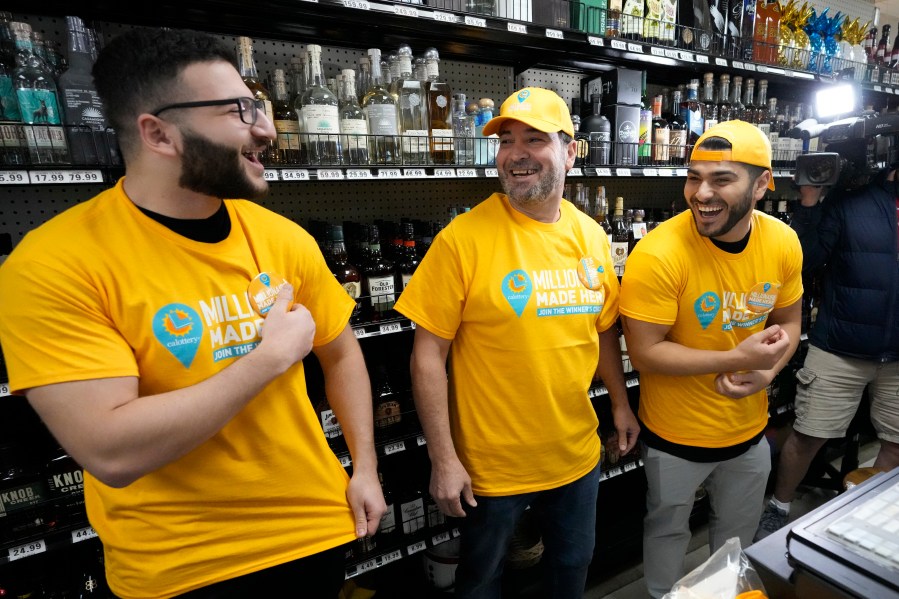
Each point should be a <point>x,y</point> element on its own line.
<point>320,114</point>
<point>387,531</point>
<point>414,119</point>
<point>619,239</point>
<point>380,110</point>
<point>379,282</point>
<point>408,259</point>
<point>65,488</point>
<point>439,111</point>
<point>353,124</point>
<point>601,210</point>
<point>347,274</point>
<point>285,120</point>
<point>246,65</point>
<point>38,100</point>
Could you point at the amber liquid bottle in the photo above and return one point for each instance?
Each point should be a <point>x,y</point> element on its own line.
<point>347,274</point>
<point>246,65</point>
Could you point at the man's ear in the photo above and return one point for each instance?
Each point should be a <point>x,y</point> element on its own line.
<point>156,134</point>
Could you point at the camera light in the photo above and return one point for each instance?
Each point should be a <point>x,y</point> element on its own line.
<point>836,100</point>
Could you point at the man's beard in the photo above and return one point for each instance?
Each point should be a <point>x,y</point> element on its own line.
<point>734,215</point>
<point>215,170</point>
<point>536,194</point>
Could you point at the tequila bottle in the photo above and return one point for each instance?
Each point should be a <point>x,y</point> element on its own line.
<point>299,78</point>
<point>247,68</point>
<point>380,110</point>
<point>463,132</point>
<point>414,122</point>
<point>38,100</point>
<point>353,124</point>
<point>13,146</point>
<point>440,112</point>
<point>320,114</point>
<point>285,120</point>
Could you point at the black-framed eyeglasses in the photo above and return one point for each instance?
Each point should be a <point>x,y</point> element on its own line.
<point>248,108</point>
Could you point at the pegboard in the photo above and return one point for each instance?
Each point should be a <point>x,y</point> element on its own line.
<point>567,85</point>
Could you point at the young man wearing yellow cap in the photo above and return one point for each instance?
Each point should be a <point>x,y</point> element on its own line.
<point>521,294</point>
<point>710,305</point>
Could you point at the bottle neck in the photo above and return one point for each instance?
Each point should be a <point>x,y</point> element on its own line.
<point>247,64</point>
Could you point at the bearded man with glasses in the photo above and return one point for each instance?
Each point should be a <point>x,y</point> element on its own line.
<point>184,399</point>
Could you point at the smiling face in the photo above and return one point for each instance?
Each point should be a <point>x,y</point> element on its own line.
<point>721,196</point>
<point>532,164</point>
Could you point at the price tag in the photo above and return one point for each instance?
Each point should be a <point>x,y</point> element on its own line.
<point>345,461</point>
<point>738,65</point>
<point>613,472</point>
<point>389,173</point>
<point>441,538</point>
<point>83,534</point>
<point>603,172</point>
<point>630,466</point>
<point>681,172</point>
<point>392,556</point>
<point>761,68</point>
<point>650,172</point>
<point>420,440</point>
<point>392,448</point>
<point>656,51</point>
<point>358,173</point>
<point>554,34</point>
<point>576,172</point>
<point>631,383</point>
<point>877,88</point>
<point>369,565</point>
<point>475,21</point>
<point>360,333</point>
<point>412,325</point>
<point>619,45</point>
<point>4,390</point>
<point>466,172</point>
<point>490,172</point>
<point>27,550</point>
<point>270,174</point>
<point>416,547</point>
<point>294,174</point>
<point>635,48</point>
<point>517,28</point>
<point>445,173</point>
<point>749,66</point>
<point>13,177</point>
<point>720,62</point>
<point>666,172</point>
<point>414,173</point>
<point>622,172</point>
<point>702,59</point>
<point>79,176</point>
<point>405,11</point>
<point>686,56</point>
<point>456,532</point>
<point>360,4</point>
<point>329,174</point>
<point>671,53</point>
<point>391,327</point>
<point>444,17</point>
<point>596,41</point>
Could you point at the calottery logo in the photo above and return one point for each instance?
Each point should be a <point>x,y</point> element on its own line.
<point>523,95</point>
<point>178,328</point>
<point>706,307</point>
<point>517,290</point>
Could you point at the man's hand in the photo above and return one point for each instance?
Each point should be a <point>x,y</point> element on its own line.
<point>450,484</point>
<point>763,350</point>
<point>366,498</point>
<point>289,332</point>
<point>627,427</point>
<point>738,385</point>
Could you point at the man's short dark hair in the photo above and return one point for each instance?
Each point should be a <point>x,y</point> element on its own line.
<point>138,71</point>
<point>719,143</point>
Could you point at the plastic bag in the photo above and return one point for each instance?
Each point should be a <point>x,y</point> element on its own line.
<point>727,574</point>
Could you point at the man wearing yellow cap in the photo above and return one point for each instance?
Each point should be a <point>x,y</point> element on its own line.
<point>710,306</point>
<point>520,293</point>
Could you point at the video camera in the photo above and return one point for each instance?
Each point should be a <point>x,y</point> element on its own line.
<point>855,149</point>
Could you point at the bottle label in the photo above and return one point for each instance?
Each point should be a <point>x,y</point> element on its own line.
<point>406,279</point>
<point>13,135</point>
<point>84,107</point>
<point>443,140</point>
<point>678,143</point>
<point>415,141</point>
<point>388,520</point>
<point>38,106</point>
<point>619,256</point>
<point>382,290</point>
<point>21,497</point>
<point>66,483</point>
<point>435,516</point>
<point>321,118</point>
<point>353,288</point>
<point>330,425</point>
<point>661,142</point>
<point>45,137</point>
<point>381,119</point>
<point>288,134</point>
<point>413,514</point>
<point>354,128</point>
<point>387,413</point>
<point>9,110</point>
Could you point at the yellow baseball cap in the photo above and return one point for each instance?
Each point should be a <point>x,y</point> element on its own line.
<point>540,108</point>
<point>748,145</point>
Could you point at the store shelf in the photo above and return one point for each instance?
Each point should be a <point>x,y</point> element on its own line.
<point>49,541</point>
<point>425,539</point>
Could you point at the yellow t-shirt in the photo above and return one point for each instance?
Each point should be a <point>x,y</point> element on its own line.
<point>101,291</point>
<point>713,300</point>
<point>504,288</point>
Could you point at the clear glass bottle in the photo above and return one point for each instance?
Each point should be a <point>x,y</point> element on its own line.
<point>440,112</point>
<point>748,114</point>
<point>321,119</point>
<point>760,114</point>
<point>725,112</point>
<point>299,80</point>
<point>414,120</point>
<point>353,124</point>
<point>246,65</point>
<point>463,131</point>
<point>709,108</point>
<point>736,102</point>
<point>13,145</point>
<point>38,99</point>
<point>286,123</point>
<point>363,77</point>
<point>601,210</point>
<point>380,110</point>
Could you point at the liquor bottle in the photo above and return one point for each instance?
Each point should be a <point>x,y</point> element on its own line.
<point>661,134</point>
<point>247,67</point>
<point>320,114</point>
<point>380,110</point>
<point>691,111</point>
<point>783,214</point>
<point>92,580</point>
<point>285,120</point>
<point>883,46</point>
<point>601,210</point>
<point>387,530</point>
<point>760,114</point>
<point>709,108</point>
<point>38,100</point>
<point>408,259</point>
<point>581,138</point>
<point>632,19</point>
<point>347,274</point>
<point>749,108</point>
<point>725,112</point>
<point>393,67</point>
<point>363,77</point>
<point>299,77</point>
<point>677,134</point>
<point>652,23</point>
<point>65,488</point>
<point>410,498</point>
<point>580,198</point>
<point>599,134</point>
<point>485,147</point>
<point>619,239</point>
<point>414,120</point>
<point>636,230</point>
<point>22,493</point>
<point>353,124</point>
<point>13,145</point>
<point>463,131</point>
<point>82,107</point>
<point>440,111</point>
<point>387,410</point>
<point>613,19</point>
<point>870,43</point>
<point>644,143</point>
<point>378,280</point>
<point>736,102</point>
